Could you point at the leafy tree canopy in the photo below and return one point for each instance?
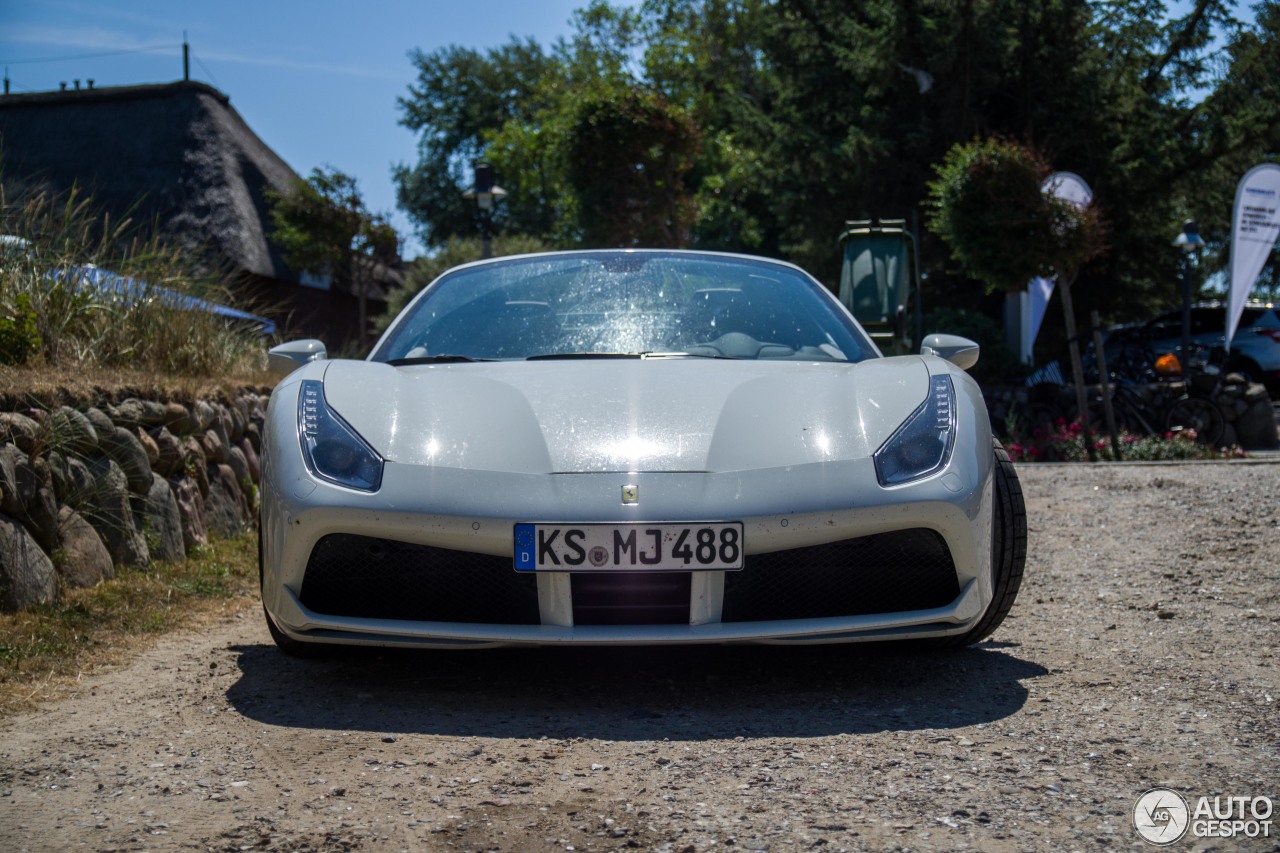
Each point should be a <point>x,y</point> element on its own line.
<point>988,206</point>
<point>322,226</point>
<point>763,125</point>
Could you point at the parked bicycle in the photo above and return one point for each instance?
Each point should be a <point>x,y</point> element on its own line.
<point>1169,393</point>
<point>1197,408</point>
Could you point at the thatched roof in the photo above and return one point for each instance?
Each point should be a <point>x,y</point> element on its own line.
<point>176,154</point>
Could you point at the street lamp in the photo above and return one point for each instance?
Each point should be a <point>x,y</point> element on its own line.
<point>485,193</point>
<point>1190,243</point>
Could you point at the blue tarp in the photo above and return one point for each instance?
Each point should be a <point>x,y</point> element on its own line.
<point>105,281</point>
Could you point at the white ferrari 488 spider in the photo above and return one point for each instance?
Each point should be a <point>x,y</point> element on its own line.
<point>633,447</point>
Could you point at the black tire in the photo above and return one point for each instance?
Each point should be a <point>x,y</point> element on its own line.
<point>291,647</point>
<point>1008,549</point>
<point>285,643</point>
<point>1200,414</point>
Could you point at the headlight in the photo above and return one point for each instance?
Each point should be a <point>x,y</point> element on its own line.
<point>332,449</point>
<point>922,445</point>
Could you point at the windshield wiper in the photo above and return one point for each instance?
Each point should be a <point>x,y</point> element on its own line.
<point>570,355</point>
<point>551,356</point>
<point>433,359</point>
<point>688,355</point>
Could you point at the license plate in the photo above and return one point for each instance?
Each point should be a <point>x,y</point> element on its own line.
<point>710,546</point>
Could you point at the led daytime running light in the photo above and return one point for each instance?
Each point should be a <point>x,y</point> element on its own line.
<point>332,449</point>
<point>922,445</point>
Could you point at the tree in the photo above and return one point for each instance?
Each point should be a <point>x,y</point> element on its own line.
<point>988,207</point>
<point>808,113</point>
<point>631,153</point>
<point>593,146</point>
<point>322,226</point>
<point>460,100</point>
<point>1239,123</point>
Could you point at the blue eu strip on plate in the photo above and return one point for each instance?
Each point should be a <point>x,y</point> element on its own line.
<point>525,559</point>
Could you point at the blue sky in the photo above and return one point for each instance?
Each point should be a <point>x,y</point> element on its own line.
<point>317,81</point>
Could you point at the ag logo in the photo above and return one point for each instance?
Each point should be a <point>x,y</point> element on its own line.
<point>1161,816</point>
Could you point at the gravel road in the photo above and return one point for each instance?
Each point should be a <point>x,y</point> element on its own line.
<point>1142,652</point>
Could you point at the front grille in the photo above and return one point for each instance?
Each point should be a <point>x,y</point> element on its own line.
<point>350,575</point>
<point>631,598</point>
<point>361,576</point>
<point>884,573</point>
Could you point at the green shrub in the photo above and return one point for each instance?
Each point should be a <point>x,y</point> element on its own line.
<point>19,334</point>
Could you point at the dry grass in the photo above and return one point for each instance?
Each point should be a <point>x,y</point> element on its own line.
<point>45,385</point>
<point>45,651</point>
<point>53,313</point>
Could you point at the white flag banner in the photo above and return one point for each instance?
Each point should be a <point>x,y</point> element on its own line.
<point>1067,186</point>
<point>1038,293</point>
<point>1255,226</point>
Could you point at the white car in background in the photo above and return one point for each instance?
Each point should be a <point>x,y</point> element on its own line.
<point>633,447</point>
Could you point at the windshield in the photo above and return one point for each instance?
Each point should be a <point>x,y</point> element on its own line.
<point>596,304</point>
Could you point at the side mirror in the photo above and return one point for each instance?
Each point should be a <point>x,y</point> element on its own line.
<point>288,357</point>
<point>961,352</point>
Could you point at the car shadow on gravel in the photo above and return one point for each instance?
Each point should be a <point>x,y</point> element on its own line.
<point>643,693</point>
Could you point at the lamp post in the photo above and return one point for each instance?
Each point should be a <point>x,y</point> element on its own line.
<point>485,193</point>
<point>1190,243</point>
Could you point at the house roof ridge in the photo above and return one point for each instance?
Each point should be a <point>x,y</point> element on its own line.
<point>108,93</point>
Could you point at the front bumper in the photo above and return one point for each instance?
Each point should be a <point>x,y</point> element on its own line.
<point>955,618</point>
<point>473,512</point>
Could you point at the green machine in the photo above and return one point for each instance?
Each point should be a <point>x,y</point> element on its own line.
<point>880,268</point>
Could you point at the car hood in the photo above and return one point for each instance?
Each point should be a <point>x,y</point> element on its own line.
<point>588,416</point>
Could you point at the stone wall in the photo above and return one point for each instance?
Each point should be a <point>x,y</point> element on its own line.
<point>89,486</point>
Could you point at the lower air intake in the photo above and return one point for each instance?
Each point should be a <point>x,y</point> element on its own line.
<point>350,575</point>
<point>884,573</point>
<point>631,598</point>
